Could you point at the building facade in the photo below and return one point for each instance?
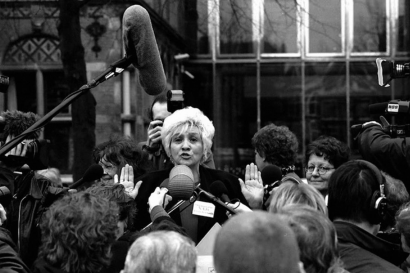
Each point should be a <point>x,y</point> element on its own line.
<point>306,64</point>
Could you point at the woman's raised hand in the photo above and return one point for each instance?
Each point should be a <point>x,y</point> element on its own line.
<point>127,180</point>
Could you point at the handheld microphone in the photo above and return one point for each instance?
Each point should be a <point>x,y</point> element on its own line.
<point>214,199</point>
<point>94,172</point>
<point>139,41</point>
<point>219,189</point>
<point>180,185</point>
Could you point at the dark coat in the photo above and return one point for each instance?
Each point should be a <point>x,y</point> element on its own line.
<point>362,252</point>
<point>207,176</point>
<point>10,262</point>
<point>391,155</point>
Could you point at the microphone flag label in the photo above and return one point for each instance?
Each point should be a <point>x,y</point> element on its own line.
<point>204,209</point>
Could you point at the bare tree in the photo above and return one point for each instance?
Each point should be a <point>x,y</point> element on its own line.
<point>83,109</point>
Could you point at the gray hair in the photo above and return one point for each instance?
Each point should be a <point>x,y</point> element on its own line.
<point>181,121</point>
<point>161,252</point>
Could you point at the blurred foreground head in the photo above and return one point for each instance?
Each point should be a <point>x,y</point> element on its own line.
<point>256,242</point>
<point>161,252</point>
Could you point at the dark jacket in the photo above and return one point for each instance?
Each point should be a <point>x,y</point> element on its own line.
<point>33,195</point>
<point>10,262</point>
<point>362,252</point>
<point>391,155</point>
<point>207,176</point>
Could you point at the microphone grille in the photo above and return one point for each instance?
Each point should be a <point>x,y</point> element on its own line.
<point>94,172</point>
<point>181,182</point>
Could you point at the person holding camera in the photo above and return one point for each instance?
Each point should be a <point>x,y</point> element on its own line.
<point>390,154</point>
<point>153,148</point>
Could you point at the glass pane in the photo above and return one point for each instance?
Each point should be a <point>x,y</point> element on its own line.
<point>25,89</point>
<point>325,28</point>
<point>403,42</point>
<point>202,27</point>
<point>236,27</point>
<point>369,26</point>
<point>55,90</point>
<point>60,148</point>
<point>325,99</point>
<point>235,116</point>
<point>279,27</point>
<point>281,94</point>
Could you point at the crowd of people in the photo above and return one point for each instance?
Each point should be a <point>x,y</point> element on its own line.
<point>155,201</point>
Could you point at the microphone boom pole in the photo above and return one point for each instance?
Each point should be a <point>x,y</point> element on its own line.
<point>114,70</point>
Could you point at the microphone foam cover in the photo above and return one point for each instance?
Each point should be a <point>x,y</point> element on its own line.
<point>181,182</point>
<point>139,41</point>
<point>164,183</point>
<point>271,174</point>
<point>93,172</point>
<point>218,188</point>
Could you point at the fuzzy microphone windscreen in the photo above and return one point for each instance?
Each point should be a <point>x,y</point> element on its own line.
<point>139,41</point>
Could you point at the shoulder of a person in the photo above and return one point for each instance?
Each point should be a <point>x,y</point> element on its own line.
<point>218,173</point>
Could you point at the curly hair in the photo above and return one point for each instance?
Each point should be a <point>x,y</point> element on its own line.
<point>78,231</point>
<point>332,149</point>
<point>277,144</point>
<point>316,237</point>
<point>181,121</point>
<point>17,122</point>
<point>120,151</point>
<point>116,193</point>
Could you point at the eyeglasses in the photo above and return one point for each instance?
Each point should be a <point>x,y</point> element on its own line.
<point>321,170</point>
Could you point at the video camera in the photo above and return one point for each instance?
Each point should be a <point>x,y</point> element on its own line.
<point>393,107</point>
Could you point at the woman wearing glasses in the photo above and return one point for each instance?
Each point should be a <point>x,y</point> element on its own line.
<point>323,156</point>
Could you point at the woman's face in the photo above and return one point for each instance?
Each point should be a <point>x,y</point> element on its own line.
<point>109,168</point>
<point>187,148</point>
<point>317,180</point>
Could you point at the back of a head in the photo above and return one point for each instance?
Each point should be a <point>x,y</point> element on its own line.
<point>256,242</point>
<point>78,231</point>
<point>351,188</point>
<point>161,252</point>
<point>316,238</point>
<point>292,193</point>
<point>277,144</point>
<point>17,122</point>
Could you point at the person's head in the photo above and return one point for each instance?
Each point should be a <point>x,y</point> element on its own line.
<point>256,242</point>
<point>275,145</point>
<point>354,191</point>
<point>159,108</point>
<point>115,153</point>
<point>396,195</point>
<point>294,193</point>
<point>322,157</point>
<point>16,122</point>
<point>187,137</point>
<point>316,238</point>
<point>77,232</point>
<point>403,226</point>
<point>161,252</point>
<point>127,206</point>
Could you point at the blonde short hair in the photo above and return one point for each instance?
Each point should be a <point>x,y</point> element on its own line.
<point>181,121</point>
<point>292,193</point>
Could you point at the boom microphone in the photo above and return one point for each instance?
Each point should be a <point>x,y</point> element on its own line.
<point>139,41</point>
<point>214,200</point>
<point>94,172</point>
